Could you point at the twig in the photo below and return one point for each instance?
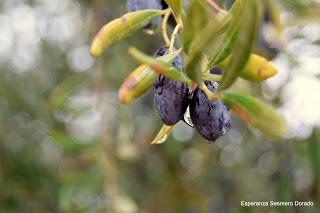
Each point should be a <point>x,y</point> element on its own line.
<point>173,37</point>
<point>211,95</point>
<point>164,27</point>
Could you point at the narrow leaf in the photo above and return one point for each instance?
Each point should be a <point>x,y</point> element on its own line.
<point>256,69</point>
<point>256,113</point>
<point>162,135</point>
<point>136,84</point>
<point>246,35</point>
<point>160,67</point>
<point>141,79</point>
<point>225,42</point>
<point>121,28</point>
<point>200,44</point>
<point>176,6</point>
<point>196,19</point>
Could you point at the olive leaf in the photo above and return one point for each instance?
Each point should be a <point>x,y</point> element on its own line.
<point>256,113</point>
<point>162,135</point>
<point>224,42</point>
<point>200,44</point>
<point>176,6</point>
<point>121,28</point>
<point>160,67</point>
<point>257,68</point>
<point>194,22</point>
<point>141,79</point>
<point>248,26</point>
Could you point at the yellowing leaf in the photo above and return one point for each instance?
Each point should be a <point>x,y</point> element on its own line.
<point>256,69</point>
<point>141,79</point>
<point>121,28</point>
<point>162,135</point>
<point>136,84</point>
<point>256,113</point>
<point>166,69</point>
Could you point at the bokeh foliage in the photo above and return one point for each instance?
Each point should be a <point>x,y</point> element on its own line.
<point>68,145</point>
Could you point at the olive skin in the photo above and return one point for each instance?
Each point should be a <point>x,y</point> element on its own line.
<point>136,5</point>
<point>210,118</point>
<point>171,97</point>
<point>216,71</point>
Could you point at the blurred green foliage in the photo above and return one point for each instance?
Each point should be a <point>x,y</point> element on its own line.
<point>68,145</point>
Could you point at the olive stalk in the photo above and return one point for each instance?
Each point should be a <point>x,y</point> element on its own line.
<point>211,95</point>
<point>212,77</point>
<point>164,27</point>
<point>173,37</point>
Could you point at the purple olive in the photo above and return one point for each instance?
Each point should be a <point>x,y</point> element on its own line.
<point>210,118</point>
<point>136,5</point>
<point>171,97</point>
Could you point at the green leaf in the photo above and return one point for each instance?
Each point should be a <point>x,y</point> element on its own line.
<point>195,59</point>
<point>176,6</point>
<point>224,43</point>
<point>141,79</point>
<point>246,35</point>
<point>200,44</point>
<point>196,19</point>
<point>121,28</point>
<point>162,135</point>
<point>223,50</point>
<point>160,67</point>
<point>256,113</point>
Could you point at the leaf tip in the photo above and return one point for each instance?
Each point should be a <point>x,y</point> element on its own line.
<point>96,48</point>
<point>125,94</point>
<point>162,135</point>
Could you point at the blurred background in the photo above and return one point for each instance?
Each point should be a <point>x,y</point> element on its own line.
<point>68,145</point>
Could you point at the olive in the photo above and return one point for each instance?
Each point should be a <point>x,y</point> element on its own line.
<point>210,118</point>
<point>171,97</point>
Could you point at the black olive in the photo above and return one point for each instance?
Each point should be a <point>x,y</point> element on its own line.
<point>210,118</point>
<point>171,97</point>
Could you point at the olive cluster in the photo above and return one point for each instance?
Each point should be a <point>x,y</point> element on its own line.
<point>172,98</point>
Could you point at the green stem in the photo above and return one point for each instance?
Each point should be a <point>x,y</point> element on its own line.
<point>211,95</point>
<point>164,27</point>
<point>173,37</point>
<point>212,77</point>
